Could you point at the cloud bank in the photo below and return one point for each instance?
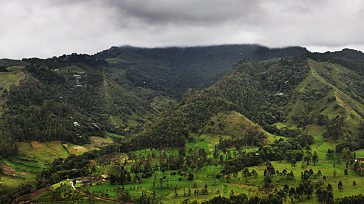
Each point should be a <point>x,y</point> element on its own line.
<point>45,28</point>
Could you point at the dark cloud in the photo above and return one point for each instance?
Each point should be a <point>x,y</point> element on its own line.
<point>45,28</point>
<point>187,11</point>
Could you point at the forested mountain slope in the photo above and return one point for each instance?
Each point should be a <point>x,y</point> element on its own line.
<point>72,97</point>
<point>195,117</point>
<point>298,92</point>
<point>174,70</point>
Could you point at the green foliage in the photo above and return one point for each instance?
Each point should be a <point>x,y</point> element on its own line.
<point>175,70</point>
<point>220,130</point>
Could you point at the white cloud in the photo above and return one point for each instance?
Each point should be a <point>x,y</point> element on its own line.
<point>44,28</point>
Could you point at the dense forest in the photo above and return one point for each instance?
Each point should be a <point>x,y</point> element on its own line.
<point>74,96</point>
<point>215,124</point>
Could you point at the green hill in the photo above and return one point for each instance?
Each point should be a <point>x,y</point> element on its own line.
<point>72,97</point>
<point>183,125</point>
<point>174,70</point>
<point>296,92</point>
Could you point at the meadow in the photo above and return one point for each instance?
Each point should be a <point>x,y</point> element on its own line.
<point>177,189</point>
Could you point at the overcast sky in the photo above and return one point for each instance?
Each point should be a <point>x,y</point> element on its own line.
<point>45,28</point>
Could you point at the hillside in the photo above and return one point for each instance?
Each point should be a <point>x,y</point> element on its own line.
<point>9,77</point>
<point>72,97</point>
<point>330,96</point>
<point>298,93</point>
<point>174,70</point>
<point>242,120</point>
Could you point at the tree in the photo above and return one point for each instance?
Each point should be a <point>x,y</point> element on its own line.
<point>246,173</point>
<point>267,181</point>
<point>232,193</point>
<point>292,193</point>
<point>254,173</point>
<point>315,158</point>
<point>286,188</point>
<point>329,187</point>
<point>205,190</point>
<point>334,129</point>
<point>330,154</point>
<point>122,195</point>
<point>354,183</point>
<point>270,169</point>
<point>290,175</point>
<point>307,159</point>
<point>340,186</point>
<point>190,177</point>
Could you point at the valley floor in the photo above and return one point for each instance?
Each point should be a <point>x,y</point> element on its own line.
<point>170,187</point>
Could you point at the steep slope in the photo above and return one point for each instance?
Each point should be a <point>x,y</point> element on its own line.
<point>330,96</point>
<point>71,98</point>
<point>8,79</point>
<point>74,96</point>
<point>298,92</point>
<point>351,59</point>
<point>174,70</point>
<point>258,90</point>
<point>234,129</point>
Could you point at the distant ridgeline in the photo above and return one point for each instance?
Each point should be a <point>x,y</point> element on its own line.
<point>120,90</point>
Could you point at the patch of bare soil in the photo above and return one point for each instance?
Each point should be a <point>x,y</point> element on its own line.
<point>37,145</point>
<point>8,170</point>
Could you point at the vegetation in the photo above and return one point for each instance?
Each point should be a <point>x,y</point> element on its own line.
<point>287,130</point>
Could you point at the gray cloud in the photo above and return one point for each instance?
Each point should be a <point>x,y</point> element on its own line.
<point>44,28</point>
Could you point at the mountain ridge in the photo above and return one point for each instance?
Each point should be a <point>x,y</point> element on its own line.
<point>125,87</point>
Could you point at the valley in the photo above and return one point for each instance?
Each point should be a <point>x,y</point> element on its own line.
<point>214,124</point>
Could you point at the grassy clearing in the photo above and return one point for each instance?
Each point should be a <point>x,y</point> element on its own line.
<point>7,79</point>
<point>360,153</point>
<point>160,103</point>
<point>206,141</point>
<point>44,152</point>
<point>230,123</point>
<point>234,124</point>
<point>113,135</point>
<point>12,182</point>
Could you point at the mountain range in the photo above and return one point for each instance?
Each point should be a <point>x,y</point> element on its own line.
<point>157,97</point>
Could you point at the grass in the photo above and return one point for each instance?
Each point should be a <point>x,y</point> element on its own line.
<point>205,175</point>
<point>15,68</point>
<point>205,141</point>
<point>230,123</point>
<point>7,79</point>
<point>114,135</point>
<point>43,152</point>
<point>34,156</point>
<point>234,124</point>
<point>12,182</point>
<point>160,103</point>
<point>116,121</point>
<point>75,149</point>
<point>360,153</point>
<point>223,186</point>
